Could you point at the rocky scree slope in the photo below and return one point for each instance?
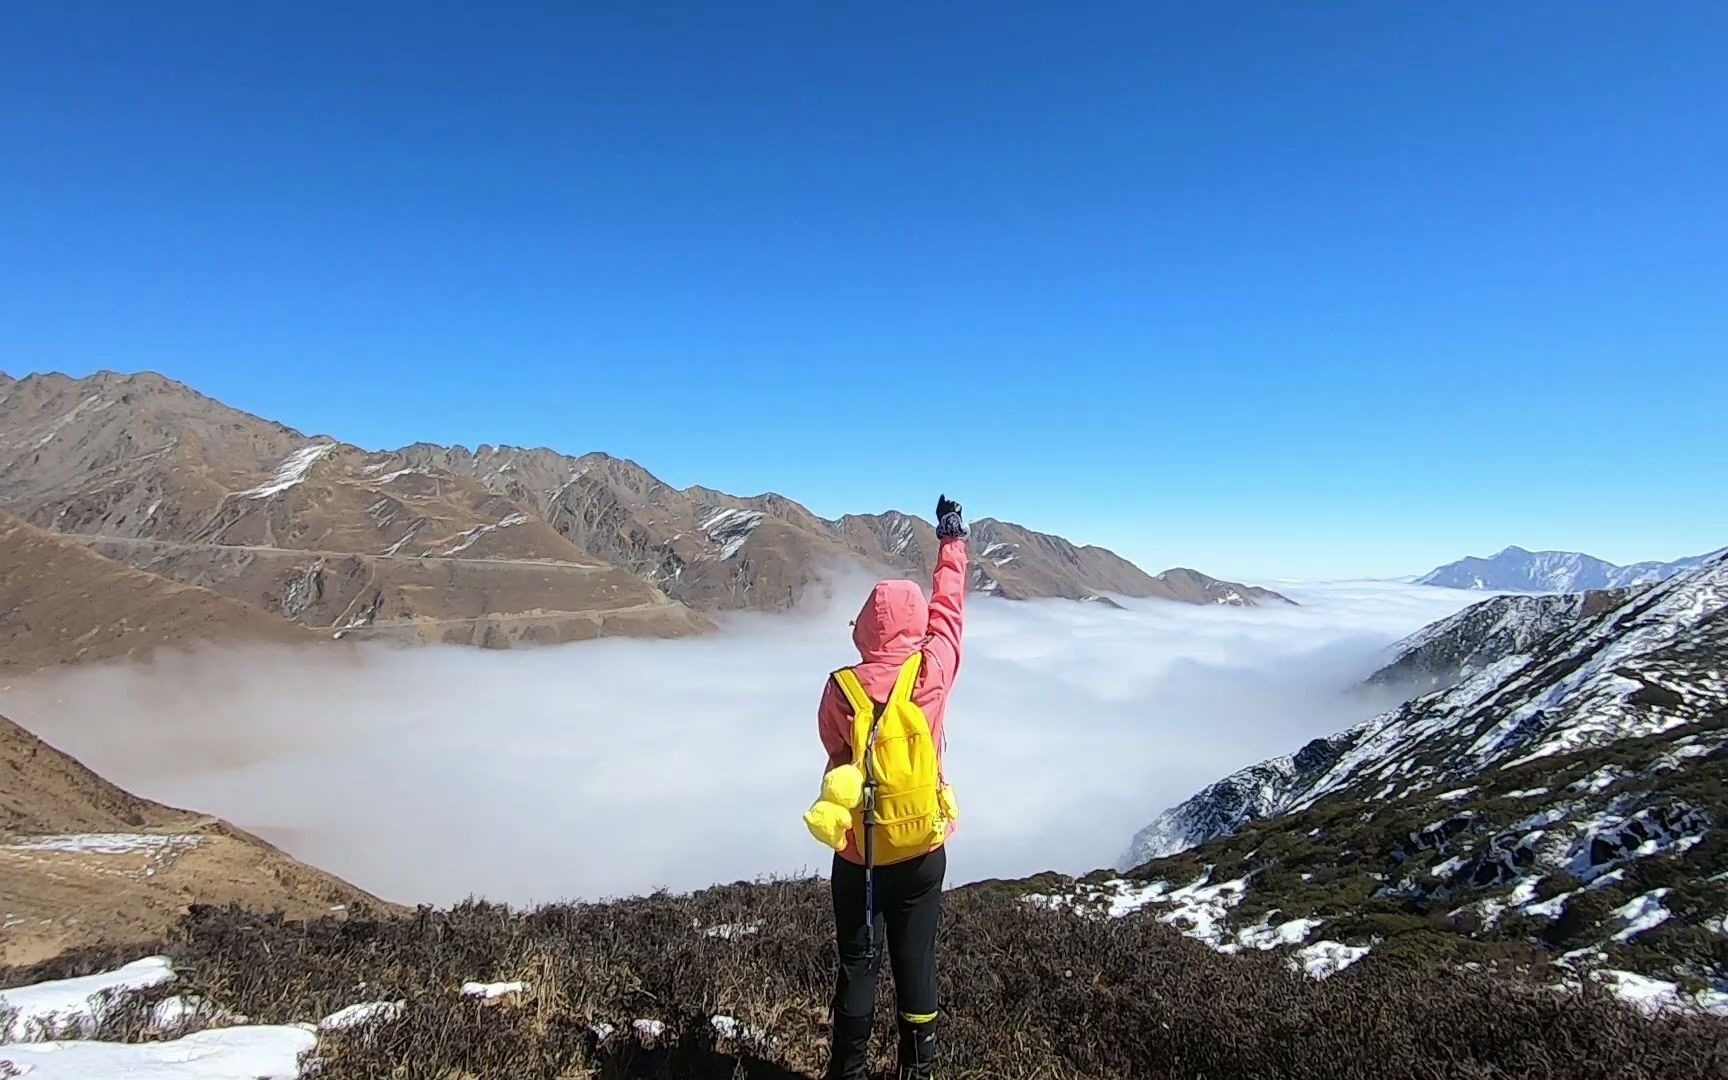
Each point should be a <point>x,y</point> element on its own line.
<point>491,547</point>
<point>1517,570</point>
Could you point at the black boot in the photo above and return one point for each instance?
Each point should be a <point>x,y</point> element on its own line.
<point>849,1051</point>
<point>917,1049</point>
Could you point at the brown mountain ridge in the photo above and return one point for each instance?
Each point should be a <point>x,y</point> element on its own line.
<point>490,546</point>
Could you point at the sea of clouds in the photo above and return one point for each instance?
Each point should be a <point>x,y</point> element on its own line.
<point>617,767</point>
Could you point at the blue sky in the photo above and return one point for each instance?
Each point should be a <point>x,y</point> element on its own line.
<point>1268,289</point>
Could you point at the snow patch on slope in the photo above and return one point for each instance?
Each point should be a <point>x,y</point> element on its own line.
<point>473,536</point>
<point>901,535</point>
<point>104,843</point>
<point>79,1002</point>
<point>244,1052</point>
<point>1324,959</point>
<point>1000,553</point>
<point>730,529</point>
<point>1198,910</point>
<point>1643,913</point>
<point>291,472</point>
<point>1264,936</point>
<point>362,1014</point>
<point>77,410</point>
<point>1658,995</point>
<point>237,1053</point>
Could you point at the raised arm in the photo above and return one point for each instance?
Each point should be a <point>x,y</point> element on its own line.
<point>947,598</point>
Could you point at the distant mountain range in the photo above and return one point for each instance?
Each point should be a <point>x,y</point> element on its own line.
<point>1517,570</point>
<point>491,547</point>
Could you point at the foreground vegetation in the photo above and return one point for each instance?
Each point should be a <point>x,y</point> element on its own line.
<point>1028,993</point>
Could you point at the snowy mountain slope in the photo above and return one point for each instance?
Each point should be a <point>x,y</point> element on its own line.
<point>1445,653</point>
<point>1517,570</point>
<point>1560,809</point>
<point>1653,663</point>
<point>1656,662</point>
<point>1258,791</point>
<point>1606,865</point>
<point>1645,573</point>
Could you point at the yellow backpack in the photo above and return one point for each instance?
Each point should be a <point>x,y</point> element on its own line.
<point>891,795</point>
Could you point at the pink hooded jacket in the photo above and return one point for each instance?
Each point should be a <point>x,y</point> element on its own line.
<point>894,623</point>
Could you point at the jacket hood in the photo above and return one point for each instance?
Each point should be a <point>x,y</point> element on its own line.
<point>893,622</point>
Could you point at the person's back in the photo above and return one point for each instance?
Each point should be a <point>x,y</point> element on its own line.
<point>897,902</point>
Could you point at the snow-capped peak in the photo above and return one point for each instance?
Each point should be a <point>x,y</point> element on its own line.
<point>1513,569</point>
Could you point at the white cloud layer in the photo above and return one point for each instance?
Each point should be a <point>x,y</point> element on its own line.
<point>616,767</point>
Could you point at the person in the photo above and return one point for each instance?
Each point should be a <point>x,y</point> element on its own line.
<point>895,623</point>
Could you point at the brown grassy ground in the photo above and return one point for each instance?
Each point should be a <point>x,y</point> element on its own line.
<point>1028,993</point>
<point>52,899</point>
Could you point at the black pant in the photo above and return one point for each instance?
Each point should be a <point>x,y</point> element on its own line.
<point>908,907</point>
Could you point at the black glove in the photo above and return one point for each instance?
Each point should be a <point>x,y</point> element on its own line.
<point>950,519</point>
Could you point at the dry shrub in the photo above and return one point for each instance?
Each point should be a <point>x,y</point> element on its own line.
<point>1027,993</point>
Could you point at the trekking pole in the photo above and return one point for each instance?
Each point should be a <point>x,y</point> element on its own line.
<point>870,864</point>
<point>870,833</point>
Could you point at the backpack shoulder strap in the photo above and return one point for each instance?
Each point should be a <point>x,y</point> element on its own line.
<point>863,710</point>
<point>853,690</point>
<point>902,695</point>
<point>908,679</point>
